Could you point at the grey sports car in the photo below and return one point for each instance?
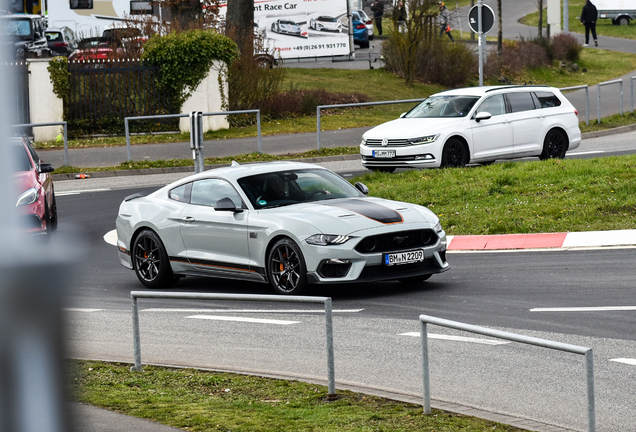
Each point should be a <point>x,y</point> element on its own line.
<point>290,224</point>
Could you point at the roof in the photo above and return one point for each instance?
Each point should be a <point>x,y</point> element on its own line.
<point>480,91</point>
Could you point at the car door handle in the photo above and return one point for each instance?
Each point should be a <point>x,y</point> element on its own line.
<point>187,219</point>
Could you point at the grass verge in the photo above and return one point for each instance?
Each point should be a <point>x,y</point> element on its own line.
<point>208,401</point>
<point>604,27</point>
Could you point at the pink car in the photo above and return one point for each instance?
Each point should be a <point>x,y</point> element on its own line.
<point>34,187</point>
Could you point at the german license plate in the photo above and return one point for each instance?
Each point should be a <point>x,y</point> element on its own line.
<point>383,153</point>
<point>407,257</point>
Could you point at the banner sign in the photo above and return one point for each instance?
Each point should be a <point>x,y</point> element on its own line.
<point>301,28</point>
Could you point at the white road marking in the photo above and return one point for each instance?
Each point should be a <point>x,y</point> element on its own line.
<point>585,309</point>
<point>458,338</point>
<point>81,191</point>
<point>629,361</point>
<point>111,237</point>
<point>587,152</point>
<point>83,310</point>
<point>239,319</point>
<point>295,311</point>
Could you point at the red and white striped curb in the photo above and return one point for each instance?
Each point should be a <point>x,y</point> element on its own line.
<point>588,239</point>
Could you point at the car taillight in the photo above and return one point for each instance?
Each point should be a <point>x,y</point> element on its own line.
<point>361,26</point>
<point>60,44</point>
<point>369,22</point>
<point>576,112</point>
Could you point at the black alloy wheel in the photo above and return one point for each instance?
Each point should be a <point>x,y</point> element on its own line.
<point>554,146</point>
<point>150,261</point>
<point>286,268</point>
<point>454,154</point>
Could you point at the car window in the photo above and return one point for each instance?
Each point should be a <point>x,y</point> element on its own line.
<point>53,36</point>
<point>207,192</point>
<point>21,161</point>
<point>293,187</point>
<point>443,106</point>
<point>181,193</point>
<point>494,105</point>
<point>34,154</point>
<point>548,99</point>
<point>520,101</point>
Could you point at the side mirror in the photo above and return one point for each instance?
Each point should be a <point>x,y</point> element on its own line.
<point>46,168</point>
<point>226,204</point>
<point>362,188</point>
<point>484,115</point>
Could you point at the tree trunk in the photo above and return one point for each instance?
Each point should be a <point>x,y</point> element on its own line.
<point>186,14</point>
<point>500,33</point>
<point>540,32</point>
<point>239,24</point>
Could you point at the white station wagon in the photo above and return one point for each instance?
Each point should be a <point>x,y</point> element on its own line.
<point>475,125</point>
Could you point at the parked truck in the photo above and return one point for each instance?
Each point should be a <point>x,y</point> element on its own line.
<point>621,12</point>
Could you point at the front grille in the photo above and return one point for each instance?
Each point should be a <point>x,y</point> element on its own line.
<point>391,143</point>
<point>393,159</point>
<point>397,241</point>
<point>31,221</point>
<point>334,270</point>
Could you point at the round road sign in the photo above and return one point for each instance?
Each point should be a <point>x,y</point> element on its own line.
<point>487,16</point>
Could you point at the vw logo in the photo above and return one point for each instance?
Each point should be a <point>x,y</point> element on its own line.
<point>385,142</point>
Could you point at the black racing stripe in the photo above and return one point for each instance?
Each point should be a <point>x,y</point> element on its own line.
<point>368,209</point>
<point>218,264</point>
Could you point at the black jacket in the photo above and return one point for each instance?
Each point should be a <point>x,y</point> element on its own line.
<point>589,13</point>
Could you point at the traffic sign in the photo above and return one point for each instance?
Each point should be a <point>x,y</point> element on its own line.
<point>487,17</point>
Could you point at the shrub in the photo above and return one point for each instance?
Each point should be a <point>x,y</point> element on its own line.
<point>566,47</point>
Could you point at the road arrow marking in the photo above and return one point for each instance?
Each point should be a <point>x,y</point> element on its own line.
<point>458,338</point>
<point>585,309</point>
<point>239,319</point>
<point>629,361</point>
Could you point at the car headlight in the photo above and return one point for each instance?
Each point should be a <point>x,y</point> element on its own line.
<point>423,140</point>
<point>327,239</point>
<point>28,197</point>
<point>438,227</point>
<point>364,141</point>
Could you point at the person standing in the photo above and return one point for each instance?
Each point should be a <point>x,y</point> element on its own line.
<point>400,13</point>
<point>589,15</point>
<point>444,21</point>
<point>377,7</point>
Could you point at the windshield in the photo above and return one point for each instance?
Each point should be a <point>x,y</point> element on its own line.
<point>326,19</point>
<point>295,186</point>
<point>20,159</point>
<point>443,106</point>
<point>14,27</point>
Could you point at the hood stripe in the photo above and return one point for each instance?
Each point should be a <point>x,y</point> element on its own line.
<point>371,210</point>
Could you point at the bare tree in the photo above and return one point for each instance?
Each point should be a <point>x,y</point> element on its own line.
<point>239,23</point>
<point>540,26</point>
<point>500,33</point>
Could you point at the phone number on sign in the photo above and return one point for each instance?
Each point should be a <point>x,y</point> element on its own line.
<point>323,46</point>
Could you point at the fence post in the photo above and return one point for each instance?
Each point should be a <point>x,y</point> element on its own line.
<point>426,377</point>
<point>127,139</point>
<point>318,122</point>
<point>200,158</point>
<point>598,107</point>
<point>331,376</point>
<point>258,129</point>
<point>136,339</point>
<point>587,105</point>
<point>65,131</point>
<point>621,90</point>
<point>591,411</point>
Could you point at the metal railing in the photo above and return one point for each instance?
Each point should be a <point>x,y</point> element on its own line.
<point>361,104</point>
<point>617,81</point>
<point>254,111</point>
<point>587,99</point>
<point>631,85</point>
<point>575,349</point>
<point>331,380</point>
<point>65,133</point>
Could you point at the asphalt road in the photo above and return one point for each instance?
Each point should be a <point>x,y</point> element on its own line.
<point>373,349</point>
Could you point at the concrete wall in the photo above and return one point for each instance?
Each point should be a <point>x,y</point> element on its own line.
<point>44,104</point>
<point>206,98</point>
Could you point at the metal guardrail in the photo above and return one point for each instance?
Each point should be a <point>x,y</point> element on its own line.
<point>617,81</point>
<point>361,104</point>
<point>331,381</point>
<point>631,85</point>
<point>587,99</point>
<point>65,128</point>
<point>255,111</point>
<point>575,349</point>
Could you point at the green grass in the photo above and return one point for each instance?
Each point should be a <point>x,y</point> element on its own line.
<point>604,27</point>
<point>521,197</point>
<point>196,400</point>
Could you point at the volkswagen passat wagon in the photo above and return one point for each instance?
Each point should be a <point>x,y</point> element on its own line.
<point>475,125</point>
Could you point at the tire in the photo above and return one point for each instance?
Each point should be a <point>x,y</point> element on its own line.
<point>623,21</point>
<point>454,154</point>
<point>364,44</point>
<point>286,269</point>
<point>47,222</point>
<point>382,169</point>
<point>415,279</point>
<point>151,262</point>
<point>555,145</point>
<point>54,214</point>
